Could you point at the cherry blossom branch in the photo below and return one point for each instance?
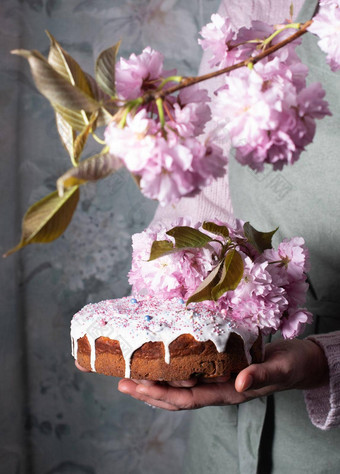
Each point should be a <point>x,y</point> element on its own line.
<point>189,81</point>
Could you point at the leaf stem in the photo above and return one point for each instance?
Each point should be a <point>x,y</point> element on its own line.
<point>128,107</point>
<point>98,140</point>
<point>160,108</point>
<point>268,40</point>
<point>170,79</point>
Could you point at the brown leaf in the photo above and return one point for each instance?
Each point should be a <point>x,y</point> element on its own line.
<point>92,169</point>
<point>76,119</point>
<point>105,69</point>
<point>54,86</point>
<point>64,64</point>
<point>260,240</point>
<point>216,229</point>
<point>160,248</point>
<point>66,133</point>
<point>204,291</point>
<point>81,139</point>
<point>232,272</point>
<point>187,237</point>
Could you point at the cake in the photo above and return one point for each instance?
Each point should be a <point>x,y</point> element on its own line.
<point>161,339</point>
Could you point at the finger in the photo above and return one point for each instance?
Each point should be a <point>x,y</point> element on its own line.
<point>143,382</point>
<point>180,397</point>
<point>130,388</point>
<point>263,379</point>
<point>222,378</point>
<point>80,367</point>
<point>184,383</point>
<point>195,397</point>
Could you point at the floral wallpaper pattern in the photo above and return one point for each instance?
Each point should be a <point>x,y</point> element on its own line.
<point>53,418</point>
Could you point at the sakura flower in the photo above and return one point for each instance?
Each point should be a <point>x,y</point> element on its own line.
<point>191,111</point>
<point>216,36</point>
<point>228,46</point>
<point>168,165</point>
<point>291,256</point>
<point>294,322</point>
<point>268,113</point>
<point>180,167</point>
<point>257,300</point>
<point>326,25</point>
<point>138,73</point>
<point>134,143</point>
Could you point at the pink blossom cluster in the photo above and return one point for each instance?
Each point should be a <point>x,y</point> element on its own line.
<point>170,160</point>
<point>326,25</point>
<point>175,275</point>
<point>269,295</point>
<point>266,112</point>
<point>272,290</point>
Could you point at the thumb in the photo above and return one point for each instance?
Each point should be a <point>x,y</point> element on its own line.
<point>258,376</point>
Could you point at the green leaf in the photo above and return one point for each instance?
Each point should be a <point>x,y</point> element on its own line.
<point>231,275</point>
<point>54,86</point>
<point>221,230</point>
<point>204,291</point>
<point>92,169</point>
<point>160,248</point>
<point>105,69</point>
<point>187,237</point>
<point>260,240</point>
<point>47,219</point>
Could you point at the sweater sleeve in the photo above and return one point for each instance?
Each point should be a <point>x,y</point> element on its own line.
<point>323,404</point>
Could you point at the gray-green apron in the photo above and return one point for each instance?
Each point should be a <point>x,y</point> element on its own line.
<point>274,434</point>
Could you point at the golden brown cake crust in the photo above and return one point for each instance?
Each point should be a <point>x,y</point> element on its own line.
<point>188,358</point>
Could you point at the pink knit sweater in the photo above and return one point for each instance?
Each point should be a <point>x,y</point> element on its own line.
<point>323,404</point>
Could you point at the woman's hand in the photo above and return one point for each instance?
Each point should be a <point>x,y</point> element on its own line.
<point>288,364</point>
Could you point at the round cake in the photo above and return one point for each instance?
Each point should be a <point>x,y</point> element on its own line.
<point>146,338</point>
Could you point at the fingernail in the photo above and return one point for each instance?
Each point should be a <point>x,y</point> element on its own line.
<point>141,389</point>
<point>248,383</point>
<point>122,388</point>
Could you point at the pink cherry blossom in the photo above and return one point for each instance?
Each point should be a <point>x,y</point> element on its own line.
<point>169,166</point>
<point>257,300</point>
<point>326,25</point>
<point>294,322</point>
<point>291,256</point>
<point>138,73</point>
<point>216,38</point>
<point>268,114</point>
<point>191,111</point>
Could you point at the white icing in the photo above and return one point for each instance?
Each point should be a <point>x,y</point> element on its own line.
<point>135,321</point>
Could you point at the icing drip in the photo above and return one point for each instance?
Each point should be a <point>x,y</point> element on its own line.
<point>134,321</point>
